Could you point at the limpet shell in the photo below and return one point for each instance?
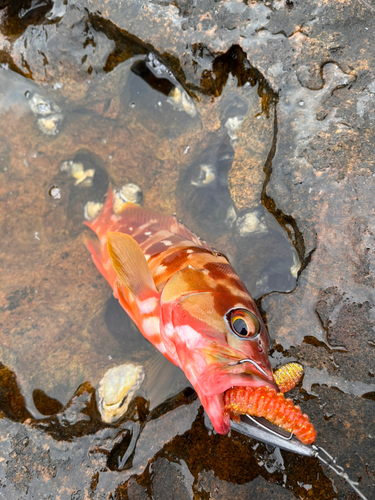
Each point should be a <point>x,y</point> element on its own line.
<point>116,389</point>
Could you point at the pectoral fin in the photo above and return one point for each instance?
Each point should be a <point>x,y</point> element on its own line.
<point>130,265</point>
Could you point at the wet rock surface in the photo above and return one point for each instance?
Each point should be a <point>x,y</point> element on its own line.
<point>301,144</point>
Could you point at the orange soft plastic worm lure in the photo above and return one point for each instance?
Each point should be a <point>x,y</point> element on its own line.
<point>266,402</point>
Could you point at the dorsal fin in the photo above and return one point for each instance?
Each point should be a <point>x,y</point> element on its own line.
<point>130,265</point>
<point>140,215</point>
<point>134,214</point>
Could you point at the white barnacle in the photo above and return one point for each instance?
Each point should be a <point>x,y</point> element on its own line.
<point>167,243</point>
<point>116,390</point>
<point>129,193</point>
<point>181,101</point>
<point>91,209</point>
<point>76,170</point>
<point>49,115</point>
<point>207,175</point>
<point>232,125</point>
<point>41,106</point>
<point>86,178</point>
<point>49,125</point>
<point>251,223</point>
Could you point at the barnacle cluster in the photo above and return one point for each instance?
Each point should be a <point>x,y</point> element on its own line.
<point>78,172</point>
<point>49,115</point>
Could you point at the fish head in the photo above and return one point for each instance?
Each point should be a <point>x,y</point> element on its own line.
<point>217,335</point>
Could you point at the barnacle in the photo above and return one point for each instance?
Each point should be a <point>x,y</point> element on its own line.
<point>207,175</point>
<point>266,402</point>
<point>129,193</point>
<point>78,172</point>
<point>116,389</point>
<point>92,209</point>
<point>251,223</point>
<point>49,115</point>
<point>181,101</point>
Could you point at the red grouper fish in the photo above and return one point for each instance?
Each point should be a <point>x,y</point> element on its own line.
<point>187,300</point>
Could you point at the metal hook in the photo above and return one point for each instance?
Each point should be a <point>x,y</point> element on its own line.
<point>268,429</point>
<point>253,363</point>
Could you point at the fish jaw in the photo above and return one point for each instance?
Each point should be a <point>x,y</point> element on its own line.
<point>219,377</point>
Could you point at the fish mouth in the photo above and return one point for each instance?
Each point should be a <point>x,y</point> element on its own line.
<point>219,377</point>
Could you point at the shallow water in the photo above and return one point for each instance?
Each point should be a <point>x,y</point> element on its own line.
<point>201,150</point>
<point>50,202</point>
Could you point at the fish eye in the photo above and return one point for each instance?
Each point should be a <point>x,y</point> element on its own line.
<point>240,327</point>
<point>243,323</point>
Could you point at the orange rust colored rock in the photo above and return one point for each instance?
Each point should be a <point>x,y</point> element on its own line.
<point>266,402</point>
